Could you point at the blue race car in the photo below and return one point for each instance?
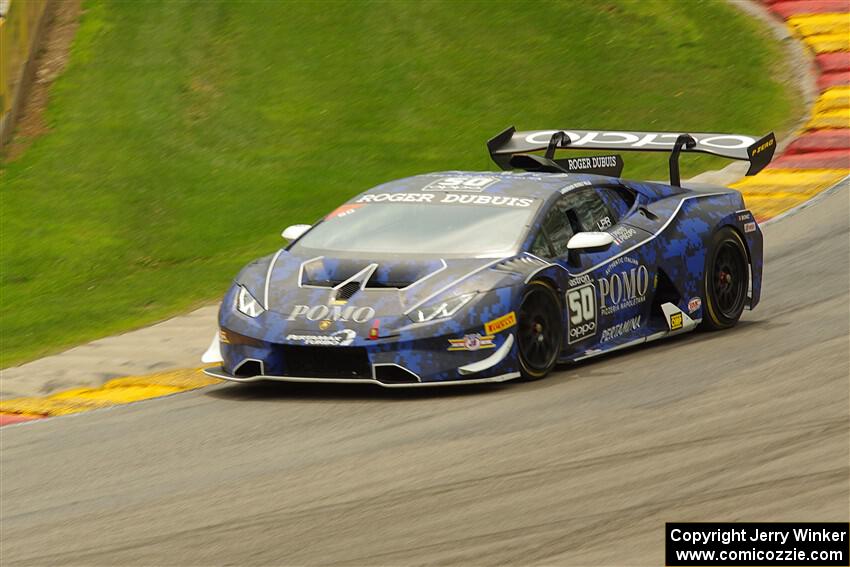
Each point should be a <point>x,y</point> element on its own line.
<point>470,277</point>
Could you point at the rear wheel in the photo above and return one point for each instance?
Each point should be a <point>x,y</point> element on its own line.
<point>725,281</point>
<point>539,330</point>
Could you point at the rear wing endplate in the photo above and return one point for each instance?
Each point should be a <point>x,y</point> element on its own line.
<point>510,148</point>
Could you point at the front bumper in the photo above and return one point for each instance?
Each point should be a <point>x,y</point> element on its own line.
<point>388,363</point>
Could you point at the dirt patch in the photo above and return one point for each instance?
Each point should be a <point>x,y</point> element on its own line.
<point>51,60</point>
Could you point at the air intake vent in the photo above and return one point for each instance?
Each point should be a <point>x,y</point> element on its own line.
<point>665,292</point>
<point>345,292</point>
<point>249,368</point>
<point>392,374</point>
<point>326,362</point>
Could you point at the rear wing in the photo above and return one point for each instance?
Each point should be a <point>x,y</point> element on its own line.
<point>510,148</point>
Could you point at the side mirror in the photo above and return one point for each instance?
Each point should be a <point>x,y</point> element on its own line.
<point>295,231</point>
<point>588,240</point>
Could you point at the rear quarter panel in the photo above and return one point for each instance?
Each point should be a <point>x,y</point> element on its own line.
<point>683,226</point>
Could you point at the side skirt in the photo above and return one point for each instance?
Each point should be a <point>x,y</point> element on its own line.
<point>642,340</point>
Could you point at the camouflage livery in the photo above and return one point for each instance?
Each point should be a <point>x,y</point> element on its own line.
<point>644,286</point>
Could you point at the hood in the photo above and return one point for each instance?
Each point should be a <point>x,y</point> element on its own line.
<point>327,280</point>
<point>364,288</point>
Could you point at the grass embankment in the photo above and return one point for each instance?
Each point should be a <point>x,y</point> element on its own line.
<point>185,136</point>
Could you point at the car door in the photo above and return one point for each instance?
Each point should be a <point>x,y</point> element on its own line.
<point>608,289</point>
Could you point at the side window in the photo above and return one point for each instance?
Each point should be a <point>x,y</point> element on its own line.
<point>618,199</point>
<point>557,229</point>
<point>586,209</point>
<point>554,234</point>
<point>541,247</point>
<point>577,211</point>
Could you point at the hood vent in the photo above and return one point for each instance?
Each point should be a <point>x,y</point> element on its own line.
<point>401,274</point>
<point>347,276</point>
<point>347,289</point>
<point>352,285</point>
<point>323,272</point>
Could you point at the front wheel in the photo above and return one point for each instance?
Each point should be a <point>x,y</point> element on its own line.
<point>539,330</point>
<point>725,281</point>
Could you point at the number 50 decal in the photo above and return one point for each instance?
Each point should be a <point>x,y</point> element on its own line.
<point>474,184</point>
<point>581,320</point>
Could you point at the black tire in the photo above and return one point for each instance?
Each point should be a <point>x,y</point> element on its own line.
<point>539,330</point>
<point>726,279</point>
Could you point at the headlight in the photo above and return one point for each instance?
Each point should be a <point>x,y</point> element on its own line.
<point>440,310</point>
<point>246,304</point>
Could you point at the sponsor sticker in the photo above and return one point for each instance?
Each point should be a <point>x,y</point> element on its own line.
<point>622,233</point>
<point>622,290</point>
<point>572,186</point>
<point>396,198</point>
<point>475,184</point>
<point>761,148</point>
<point>500,324</point>
<point>496,200</point>
<point>694,304</point>
<point>638,140</point>
<point>472,342</point>
<point>342,313</point>
<point>581,319</point>
<point>341,338</point>
<point>676,321</point>
<point>592,162</point>
<point>749,227</point>
<point>447,199</point>
<point>619,262</point>
<point>621,329</point>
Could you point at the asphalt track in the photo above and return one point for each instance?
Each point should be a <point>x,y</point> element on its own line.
<point>582,468</point>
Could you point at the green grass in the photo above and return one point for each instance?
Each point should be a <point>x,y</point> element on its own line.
<point>185,136</point>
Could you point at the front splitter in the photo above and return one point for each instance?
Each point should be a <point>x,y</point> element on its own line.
<point>218,372</point>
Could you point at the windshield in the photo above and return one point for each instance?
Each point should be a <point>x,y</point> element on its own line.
<point>418,228</point>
